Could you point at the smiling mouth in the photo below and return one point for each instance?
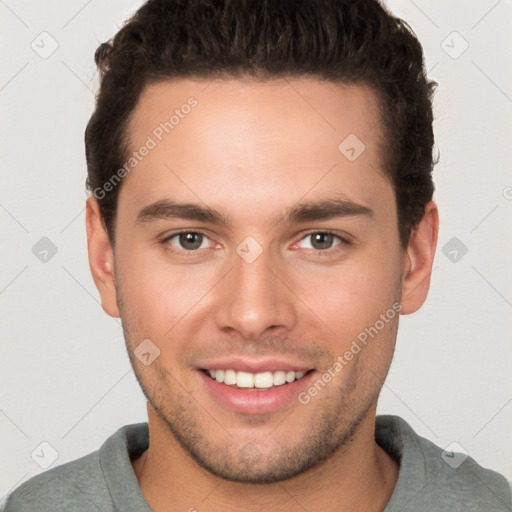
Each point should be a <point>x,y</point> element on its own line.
<point>257,381</point>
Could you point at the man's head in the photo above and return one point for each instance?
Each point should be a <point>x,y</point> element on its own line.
<point>290,144</point>
<point>347,41</point>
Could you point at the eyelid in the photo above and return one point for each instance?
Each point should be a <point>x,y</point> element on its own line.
<point>344,240</point>
<point>165,241</point>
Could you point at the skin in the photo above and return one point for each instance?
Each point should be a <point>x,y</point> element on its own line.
<point>253,150</point>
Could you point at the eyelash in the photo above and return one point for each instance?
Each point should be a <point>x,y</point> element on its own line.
<point>168,247</point>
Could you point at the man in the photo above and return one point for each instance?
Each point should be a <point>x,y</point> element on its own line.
<point>261,213</point>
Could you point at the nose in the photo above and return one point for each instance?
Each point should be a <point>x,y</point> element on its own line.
<point>254,298</point>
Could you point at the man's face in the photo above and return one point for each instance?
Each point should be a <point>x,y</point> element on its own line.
<point>265,291</point>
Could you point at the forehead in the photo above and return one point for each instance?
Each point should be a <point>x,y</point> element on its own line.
<point>229,141</point>
<point>322,109</point>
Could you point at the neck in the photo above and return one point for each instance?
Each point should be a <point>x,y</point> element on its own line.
<point>361,476</point>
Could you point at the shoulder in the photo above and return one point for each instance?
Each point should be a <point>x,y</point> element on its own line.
<point>92,482</point>
<point>433,478</point>
<point>77,485</point>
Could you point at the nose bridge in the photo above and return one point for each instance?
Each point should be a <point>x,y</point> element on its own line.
<point>253,299</point>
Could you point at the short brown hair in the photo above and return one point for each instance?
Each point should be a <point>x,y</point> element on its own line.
<point>348,41</point>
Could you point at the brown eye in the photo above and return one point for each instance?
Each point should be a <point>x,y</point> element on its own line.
<point>188,240</point>
<point>322,240</point>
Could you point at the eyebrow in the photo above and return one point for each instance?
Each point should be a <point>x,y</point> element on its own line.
<point>304,212</point>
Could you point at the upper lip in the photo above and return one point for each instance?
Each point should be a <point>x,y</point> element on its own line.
<point>254,365</point>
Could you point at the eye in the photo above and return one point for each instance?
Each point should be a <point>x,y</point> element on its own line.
<point>322,240</point>
<point>188,240</point>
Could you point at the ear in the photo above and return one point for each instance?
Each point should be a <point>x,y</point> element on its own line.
<point>101,258</point>
<point>418,260</point>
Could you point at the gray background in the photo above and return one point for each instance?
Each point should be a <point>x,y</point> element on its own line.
<point>66,380</point>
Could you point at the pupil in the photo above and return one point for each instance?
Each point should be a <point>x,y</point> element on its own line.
<point>194,239</point>
<point>324,240</point>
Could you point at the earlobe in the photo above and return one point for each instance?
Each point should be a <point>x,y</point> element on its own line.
<point>101,258</point>
<point>418,260</point>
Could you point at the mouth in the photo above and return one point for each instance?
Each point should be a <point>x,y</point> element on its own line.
<point>263,390</point>
<point>262,381</point>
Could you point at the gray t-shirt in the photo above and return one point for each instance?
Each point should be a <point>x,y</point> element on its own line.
<point>428,480</point>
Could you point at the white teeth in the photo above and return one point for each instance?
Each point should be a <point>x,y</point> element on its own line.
<point>230,377</point>
<point>263,380</point>
<point>245,380</point>
<point>279,378</point>
<point>290,376</point>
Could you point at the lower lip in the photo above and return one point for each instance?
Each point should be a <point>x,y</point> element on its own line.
<point>255,401</point>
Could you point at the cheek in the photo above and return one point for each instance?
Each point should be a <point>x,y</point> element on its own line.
<point>352,296</point>
<point>157,295</point>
